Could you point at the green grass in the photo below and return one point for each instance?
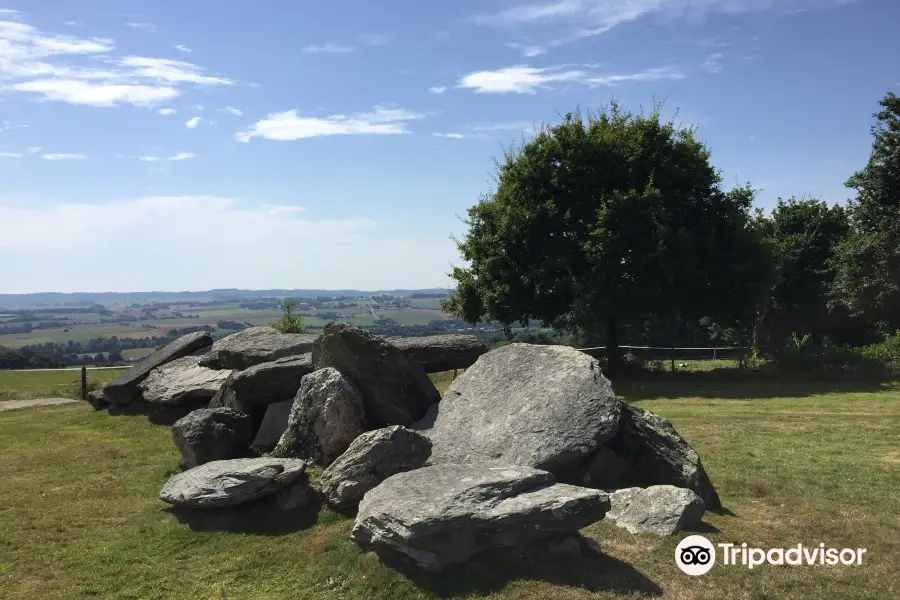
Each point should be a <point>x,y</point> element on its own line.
<point>794,461</point>
<point>22,385</point>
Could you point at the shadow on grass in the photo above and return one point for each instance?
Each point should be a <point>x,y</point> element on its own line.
<point>735,384</point>
<point>491,571</point>
<point>262,517</point>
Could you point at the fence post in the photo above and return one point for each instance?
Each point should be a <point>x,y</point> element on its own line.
<point>454,373</point>
<point>83,382</point>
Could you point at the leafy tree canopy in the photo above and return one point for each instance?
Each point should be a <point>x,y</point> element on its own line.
<point>604,219</point>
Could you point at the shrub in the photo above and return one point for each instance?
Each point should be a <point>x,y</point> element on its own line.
<point>798,354</point>
<point>289,322</point>
<point>887,351</point>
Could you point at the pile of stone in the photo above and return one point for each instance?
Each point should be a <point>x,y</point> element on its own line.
<point>528,443</point>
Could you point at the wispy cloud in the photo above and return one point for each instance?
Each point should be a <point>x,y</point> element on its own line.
<point>329,48</point>
<point>182,48</point>
<point>64,156</point>
<point>10,154</point>
<point>528,80</point>
<point>193,122</point>
<point>713,63</point>
<point>141,25</point>
<point>584,18</point>
<point>438,89</point>
<point>290,126</point>
<point>233,111</point>
<point>461,136</point>
<point>528,51</point>
<point>175,157</point>
<point>33,149</point>
<point>45,64</point>
<point>167,111</point>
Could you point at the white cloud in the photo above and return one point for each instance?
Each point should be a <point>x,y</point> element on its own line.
<point>234,111</point>
<point>96,94</point>
<point>289,126</point>
<point>528,80</point>
<point>584,18</point>
<point>329,48</point>
<point>518,79</point>
<point>77,70</point>
<point>64,156</point>
<point>362,253</point>
<point>713,63</point>
<point>170,71</point>
<point>167,111</point>
<point>182,48</point>
<point>460,136</point>
<point>149,158</point>
<point>141,26</point>
<point>438,89</point>
<point>10,154</point>
<point>33,149</point>
<point>528,51</point>
<point>183,156</point>
<point>193,122</point>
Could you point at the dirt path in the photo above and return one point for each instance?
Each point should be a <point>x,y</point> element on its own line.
<point>13,404</point>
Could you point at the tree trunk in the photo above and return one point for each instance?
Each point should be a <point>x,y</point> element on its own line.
<point>613,354</point>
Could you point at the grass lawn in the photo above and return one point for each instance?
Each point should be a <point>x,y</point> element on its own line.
<point>795,462</point>
<point>49,383</point>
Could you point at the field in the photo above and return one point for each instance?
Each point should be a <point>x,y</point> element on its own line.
<point>50,383</point>
<point>795,461</point>
<point>85,326</point>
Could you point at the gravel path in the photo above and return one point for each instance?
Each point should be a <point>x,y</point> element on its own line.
<point>13,404</point>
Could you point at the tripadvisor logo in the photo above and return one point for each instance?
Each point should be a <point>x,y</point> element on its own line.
<point>696,555</point>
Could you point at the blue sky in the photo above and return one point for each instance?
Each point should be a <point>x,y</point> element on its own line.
<point>190,145</point>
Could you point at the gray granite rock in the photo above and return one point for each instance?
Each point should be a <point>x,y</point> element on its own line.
<point>661,510</point>
<point>231,482</point>
<point>182,381</point>
<point>124,390</point>
<point>395,389</point>
<point>437,353</point>
<point>547,407</point>
<point>256,345</point>
<point>442,515</point>
<point>371,458</point>
<point>327,415</point>
<point>209,434</point>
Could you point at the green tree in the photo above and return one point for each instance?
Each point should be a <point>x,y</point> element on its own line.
<point>868,265</point>
<point>804,236</point>
<point>289,322</point>
<point>607,219</point>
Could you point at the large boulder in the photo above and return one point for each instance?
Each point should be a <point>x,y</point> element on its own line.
<point>395,389</point>
<point>182,381</point>
<point>273,425</point>
<point>209,434</point>
<point>326,416</point>
<point>547,407</point>
<point>253,389</point>
<point>256,345</point>
<point>123,390</point>
<point>441,515</point>
<point>654,454</point>
<point>661,510</point>
<point>436,353</point>
<point>371,458</point>
<point>231,482</point>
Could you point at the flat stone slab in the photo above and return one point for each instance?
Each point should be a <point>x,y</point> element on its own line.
<point>231,482</point>
<point>123,390</point>
<point>437,353</point>
<point>441,515</point>
<point>182,381</point>
<point>256,345</point>
<point>546,407</point>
